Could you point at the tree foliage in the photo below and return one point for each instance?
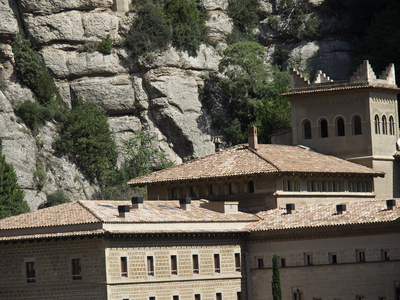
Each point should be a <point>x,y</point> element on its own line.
<point>141,157</point>
<point>276,279</point>
<point>150,31</point>
<point>162,23</point>
<point>53,199</point>
<point>11,196</point>
<point>86,136</point>
<point>244,14</point>
<point>251,92</point>
<point>32,71</point>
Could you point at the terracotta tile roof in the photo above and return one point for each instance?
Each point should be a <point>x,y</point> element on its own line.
<point>167,211</point>
<point>320,215</point>
<point>52,235</point>
<point>240,160</point>
<point>64,214</point>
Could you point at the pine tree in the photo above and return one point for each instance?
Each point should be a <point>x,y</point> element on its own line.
<point>11,196</point>
<point>276,279</point>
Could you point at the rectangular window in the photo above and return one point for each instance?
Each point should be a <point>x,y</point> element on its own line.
<point>360,255</point>
<point>218,296</point>
<point>332,258</point>
<point>308,259</point>
<point>150,266</point>
<point>260,263</point>
<point>217,264</point>
<point>237,262</point>
<point>195,259</point>
<point>124,266</point>
<point>197,297</point>
<point>385,255</point>
<point>238,295</point>
<point>152,298</point>
<point>76,269</point>
<point>174,265</point>
<point>360,297</point>
<point>30,272</point>
<point>283,262</point>
<point>175,297</point>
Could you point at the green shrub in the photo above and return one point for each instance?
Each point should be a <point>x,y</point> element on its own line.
<point>244,14</point>
<point>53,199</point>
<point>11,196</point>
<point>188,20</point>
<point>39,177</point>
<point>160,24</point>
<point>150,31</point>
<point>32,71</point>
<point>86,136</point>
<point>33,114</point>
<point>105,45</point>
<point>89,47</point>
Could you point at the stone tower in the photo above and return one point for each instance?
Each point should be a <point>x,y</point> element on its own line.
<point>356,120</point>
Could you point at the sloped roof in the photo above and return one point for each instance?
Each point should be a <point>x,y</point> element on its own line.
<point>242,160</point>
<point>323,215</point>
<point>167,211</point>
<point>64,214</point>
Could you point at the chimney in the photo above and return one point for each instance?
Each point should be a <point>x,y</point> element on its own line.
<point>122,209</point>
<point>340,208</point>
<point>185,203</point>
<point>218,143</point>
<point>252,137</point>
<point>137,202</point>
<point>289,208</point>
<point>391,203</point>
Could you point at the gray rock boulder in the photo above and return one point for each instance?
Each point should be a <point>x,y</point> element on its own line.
<point>54,6</point>
<point>114,94</point>
<point>331,56</point>
<point>177,111</point>
<point>9,25</point>
<point>71,26</point>
<point>71,64</point>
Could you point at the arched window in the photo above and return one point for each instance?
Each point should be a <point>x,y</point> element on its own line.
<point>377,127</point>
<point>323,124</point>
<point>384,125</point>
<point>251,186</point>
<point>340,127</point>
<point>307,130</point>
<point>357,125</point>
<point>391,125</point>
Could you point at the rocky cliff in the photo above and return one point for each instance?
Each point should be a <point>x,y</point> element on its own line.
<point>166,85</point>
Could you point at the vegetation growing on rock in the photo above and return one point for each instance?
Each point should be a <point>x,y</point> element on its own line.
<point>162,23</point>
<point>55,198</point>
<point>251,93</point>
<point>11,196</point>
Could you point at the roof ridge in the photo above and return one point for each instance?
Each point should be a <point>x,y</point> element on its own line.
<point>89,210</point>
<point>263,158</point>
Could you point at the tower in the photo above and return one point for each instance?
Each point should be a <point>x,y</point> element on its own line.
<point>356,120</point>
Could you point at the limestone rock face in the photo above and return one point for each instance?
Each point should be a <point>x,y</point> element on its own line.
<point>71,64</point>
<point>9,25</point>
<point>51,6</point>
<point>72,26</point>
<point>175,107</point>
<point>114,94</point>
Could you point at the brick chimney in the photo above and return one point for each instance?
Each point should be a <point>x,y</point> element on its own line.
<point>252,137</point>
<point>122,210</point>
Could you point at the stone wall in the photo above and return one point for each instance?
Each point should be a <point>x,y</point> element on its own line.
<point>53,270</point>
<point>323,279</point>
